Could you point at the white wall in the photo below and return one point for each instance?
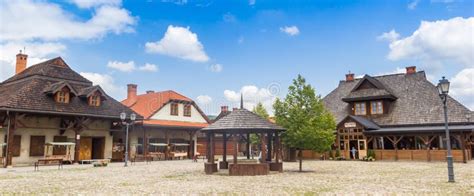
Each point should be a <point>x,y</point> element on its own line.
<point>48,127</point>
<point>164,114</point>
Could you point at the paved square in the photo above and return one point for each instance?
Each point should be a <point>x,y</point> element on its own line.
<point>185,177</point>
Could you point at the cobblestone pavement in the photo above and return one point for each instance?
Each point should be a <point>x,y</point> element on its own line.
<point>186,177</point>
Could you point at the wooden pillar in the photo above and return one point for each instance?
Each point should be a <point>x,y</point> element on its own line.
<point>263,147</point>
<point>463,147</point>
<point>224,156</point>
<point>210,159</point>
<point>208,145</point>
<point>277,147</point>
<point>77,147</point>
<point>269,146</point>
<point>190,147</point>
<point>145,143</point>
<point>248,146</point>
<point>167,149</point>
<point>10,135</point>
<point>236,143</point>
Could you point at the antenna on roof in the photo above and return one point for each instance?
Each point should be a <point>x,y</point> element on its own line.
<point>241,101</point>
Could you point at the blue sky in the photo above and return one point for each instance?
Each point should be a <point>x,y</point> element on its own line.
<point>211,51</point>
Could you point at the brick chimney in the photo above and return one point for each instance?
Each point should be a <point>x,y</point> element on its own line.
<point>349,77</point>
<point>20,62</point>
<point>411,69</point>
<point>132,92</point>
<point>224,108</point>
<point>149,91</point>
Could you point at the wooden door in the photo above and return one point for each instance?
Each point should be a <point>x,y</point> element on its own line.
<point>362,145</point>
<point>85,148</point>
<point>347,149</point>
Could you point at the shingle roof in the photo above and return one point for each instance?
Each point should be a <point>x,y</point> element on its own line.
<point>417,101</point>
<point>367,123</point>
<point>242,119</point>
<point>368,94</point>
<point>26,92</point>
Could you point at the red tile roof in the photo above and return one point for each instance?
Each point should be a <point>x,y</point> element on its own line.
<point>149,103</point>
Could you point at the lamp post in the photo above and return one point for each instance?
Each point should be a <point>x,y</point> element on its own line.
<point>123,117</point>
<point>443,89</point>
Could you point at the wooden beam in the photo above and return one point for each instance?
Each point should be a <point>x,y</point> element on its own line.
<point>248,146</point>
<point>236,139</point>
<point>463,147</point>
<point>264,148</point>
<point>167,149</point>
<point>269,146</point>
<point>213,142</point>
<point>11,128</point>
<point>224,156</point>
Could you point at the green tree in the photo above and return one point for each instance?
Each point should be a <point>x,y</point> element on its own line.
<point>309,125</point>
<point>262,112</point>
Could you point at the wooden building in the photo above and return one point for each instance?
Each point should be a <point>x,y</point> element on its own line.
<point>49,104</point>
<point>170,124</point>
<point>399,117</point>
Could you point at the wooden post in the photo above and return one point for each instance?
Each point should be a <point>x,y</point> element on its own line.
<point>236,138</point>
<point>77,147</point>
<point>463,147</point>
<point>263,147</point>
<point>145,143</point>
<point>277,147</point>
<point>269,146</point>
<point>208,146</point>
<point>11,134</point>
<point>224,156</point>
<point>190,147</point>
<point>248,146</point>
<point>211,153</point>
<point>167,150</point>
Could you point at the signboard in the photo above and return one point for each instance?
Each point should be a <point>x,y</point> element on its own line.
<point>350,125</point>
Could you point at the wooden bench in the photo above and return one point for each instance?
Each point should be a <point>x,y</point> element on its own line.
<point>58,162</point>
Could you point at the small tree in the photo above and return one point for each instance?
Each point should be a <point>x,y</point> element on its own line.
<point>309,125</point>
<point>262,112</point>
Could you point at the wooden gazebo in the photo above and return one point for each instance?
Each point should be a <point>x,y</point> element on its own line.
<point>234,126</point>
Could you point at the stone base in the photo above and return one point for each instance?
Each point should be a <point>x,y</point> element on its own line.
<point>210,168</point>
<point>276,166</point>
<point>248,169</point>
<point>223,165</point>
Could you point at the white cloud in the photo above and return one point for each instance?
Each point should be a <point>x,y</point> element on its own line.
<point>291,31</point>
<point>179,42</point>
<point>412,5</point>
<point>95,3</point>
<point>216,68</point>
<point>107,83</point>
<point>204,100</point>
<point>122,66</point>
<point>37,52</point>
<point>462,87</point>
<point>390,36</point>
<point>241,40</point>
<point>148,67</point>
<point>252,2</point>
<point>395,71</point>
<point>252,96</point>
<point>438,41</point>
<point>39,20</point>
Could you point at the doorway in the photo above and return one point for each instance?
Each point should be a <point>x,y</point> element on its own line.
<point>92,148</point>
<point>353,144</point>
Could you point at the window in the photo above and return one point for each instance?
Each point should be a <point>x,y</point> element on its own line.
<point>187,110</point>
<point>174,109</point>
<point>59,150</point>
<point>376,107</point>
<point>16,145</point>
<point>360,109</point>
<point>94,100</point>
<point>63,96</point>
<point>37,145</point>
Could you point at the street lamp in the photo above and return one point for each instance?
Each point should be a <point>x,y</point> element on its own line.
<point>123,117</point>
<point>443,89</point>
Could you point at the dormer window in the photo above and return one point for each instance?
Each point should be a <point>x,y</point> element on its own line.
<point>94,100</point>
<point>63,95</point>
<point>360,108</point>
<point>174,109</point>
<point>187,110</point>
<point>376,107</point>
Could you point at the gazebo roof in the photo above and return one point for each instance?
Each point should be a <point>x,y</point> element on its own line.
<point>242,120</point>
